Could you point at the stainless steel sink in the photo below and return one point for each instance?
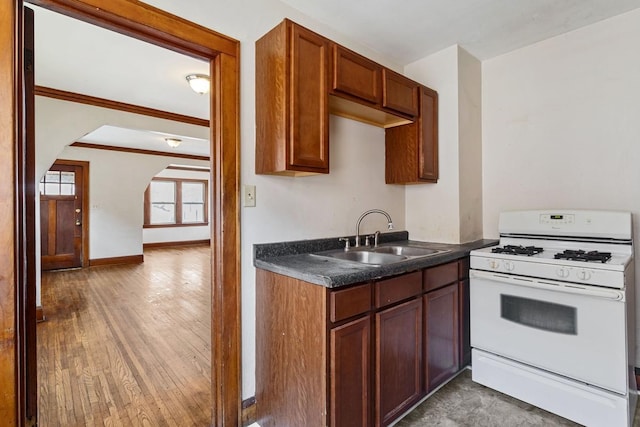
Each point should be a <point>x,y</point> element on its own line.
<point>382,255</point>
<point>367,257</point>
<point>410,251</point>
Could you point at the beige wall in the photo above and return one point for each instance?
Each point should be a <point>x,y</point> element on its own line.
<point>470,145</point>
<point>451,210</point>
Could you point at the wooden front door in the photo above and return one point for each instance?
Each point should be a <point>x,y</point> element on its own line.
<point>61,216</point>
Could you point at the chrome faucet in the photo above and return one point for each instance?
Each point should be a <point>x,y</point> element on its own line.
<point>370,211</point>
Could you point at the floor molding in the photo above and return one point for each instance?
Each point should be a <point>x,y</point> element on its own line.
<point>40,314</point>
<point>204,242</point>
<point>249,411</point>
<point>129,259</point>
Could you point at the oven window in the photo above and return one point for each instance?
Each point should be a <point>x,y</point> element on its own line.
<point>544,315</point>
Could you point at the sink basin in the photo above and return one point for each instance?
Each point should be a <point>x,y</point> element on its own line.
<point>368,257</point>
<point>382,255</point>
<point>411,251</point>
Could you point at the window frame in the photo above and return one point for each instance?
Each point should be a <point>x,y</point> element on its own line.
<point>42,185</point>
<point>178,203</point>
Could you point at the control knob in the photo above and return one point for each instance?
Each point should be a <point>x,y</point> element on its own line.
<point>562,272</point>
<point>584,275</point>
<point>494,264</point>
<point>509,266</point>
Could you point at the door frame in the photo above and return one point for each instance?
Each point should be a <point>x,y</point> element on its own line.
<point>84,257</point>
<point>144,22</point>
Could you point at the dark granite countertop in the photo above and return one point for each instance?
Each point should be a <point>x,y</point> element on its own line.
<point>296,259</point>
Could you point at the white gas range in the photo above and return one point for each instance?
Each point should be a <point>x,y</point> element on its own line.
<point>553,313</point>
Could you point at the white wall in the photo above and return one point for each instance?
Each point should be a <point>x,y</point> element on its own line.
<point>451,210</point>
<point>180,234</point>
<point>561,124</point>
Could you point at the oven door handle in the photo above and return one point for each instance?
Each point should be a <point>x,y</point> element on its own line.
<point>550,285</point>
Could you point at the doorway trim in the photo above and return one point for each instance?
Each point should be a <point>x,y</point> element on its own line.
<point>153,25</point>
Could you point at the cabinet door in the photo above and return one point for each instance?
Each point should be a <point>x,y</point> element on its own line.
<point>411,151</point>
<point>399,93</point>
<point>350,369</point>
<point>441,335</point>
<point>428,135</point>
<point>308,148</point>
<point>355,75</point>
<point>398,360</point>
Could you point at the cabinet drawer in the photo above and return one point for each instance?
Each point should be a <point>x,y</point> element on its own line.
<point>350,302</point>
<point>441,275</point>
<point>399,93</point>
<point>355,75</point>
<point>398,288</point>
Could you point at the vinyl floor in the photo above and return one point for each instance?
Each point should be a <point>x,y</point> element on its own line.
<point>463,403</point>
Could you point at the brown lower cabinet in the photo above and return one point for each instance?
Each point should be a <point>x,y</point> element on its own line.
<point>441,335</point>
<point>350,373</point>
<point>398,360</point>
<point>355,356</point>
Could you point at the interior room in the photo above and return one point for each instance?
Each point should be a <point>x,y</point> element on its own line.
<point>524,102</point>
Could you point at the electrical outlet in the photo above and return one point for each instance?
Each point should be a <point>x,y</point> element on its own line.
<point>248,195</point>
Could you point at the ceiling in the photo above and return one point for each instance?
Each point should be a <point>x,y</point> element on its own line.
<point>116,136</point>
<point>408,30</point>
<point>78,57</point>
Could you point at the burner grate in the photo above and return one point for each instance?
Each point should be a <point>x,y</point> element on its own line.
<point>586,256</point>
<point>517,250</point>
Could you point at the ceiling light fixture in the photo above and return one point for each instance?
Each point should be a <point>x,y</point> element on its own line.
<point>173,142</point>
<point>200,83</point>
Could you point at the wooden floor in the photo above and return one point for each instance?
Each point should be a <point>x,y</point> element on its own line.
<point>127,345</point>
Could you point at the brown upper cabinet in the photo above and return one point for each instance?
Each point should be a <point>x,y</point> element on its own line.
<point>355,76</point>
<point>302,77</point>
<point>411,151</point>
<point>400,94</point>
<point>292,113</point>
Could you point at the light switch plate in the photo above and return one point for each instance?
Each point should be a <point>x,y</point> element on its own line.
<point>249,196</point>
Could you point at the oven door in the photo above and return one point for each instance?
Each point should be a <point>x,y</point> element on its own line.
<point>575,331</point>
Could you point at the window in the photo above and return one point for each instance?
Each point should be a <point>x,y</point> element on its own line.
<point>58,183</point>
<point>175,202</point>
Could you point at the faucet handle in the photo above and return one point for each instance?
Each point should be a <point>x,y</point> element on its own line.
<point>376,238</point>
<point>347,243</point>
<point>367,239</point>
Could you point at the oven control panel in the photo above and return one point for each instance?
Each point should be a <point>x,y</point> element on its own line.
<point>567,223</point>
<point>557,219</point>
<point>587,276</point>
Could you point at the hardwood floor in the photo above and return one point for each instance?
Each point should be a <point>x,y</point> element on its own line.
<point>127,345</point>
